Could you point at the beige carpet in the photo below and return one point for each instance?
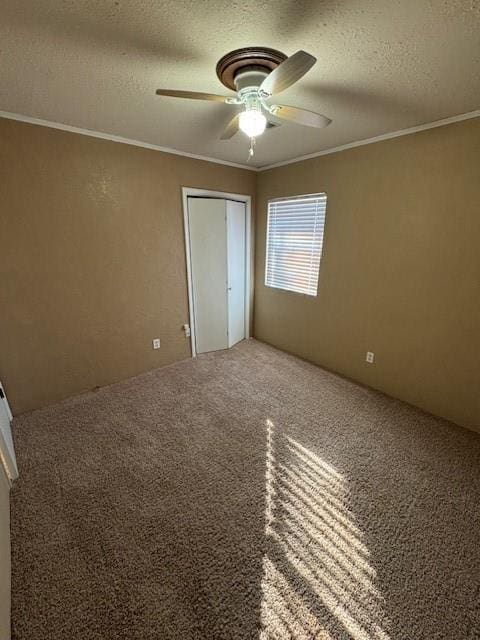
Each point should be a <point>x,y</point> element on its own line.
<point>244,495</point>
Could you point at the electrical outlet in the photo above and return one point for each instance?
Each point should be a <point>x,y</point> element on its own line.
<point>186,328</point>
<point>156,343</point>
<point>370,357</point>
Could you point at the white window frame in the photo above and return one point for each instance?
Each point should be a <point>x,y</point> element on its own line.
<point>298,290</point>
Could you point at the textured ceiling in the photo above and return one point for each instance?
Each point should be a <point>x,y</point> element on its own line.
<point>383,65</point>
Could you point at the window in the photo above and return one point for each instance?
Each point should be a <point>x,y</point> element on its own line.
<point>294,242</point>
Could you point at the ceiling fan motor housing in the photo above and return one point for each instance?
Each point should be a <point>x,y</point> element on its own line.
<point>232,66</point>
<point>249,78</point>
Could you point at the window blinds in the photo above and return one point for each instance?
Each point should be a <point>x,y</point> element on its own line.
<point>294,243</point>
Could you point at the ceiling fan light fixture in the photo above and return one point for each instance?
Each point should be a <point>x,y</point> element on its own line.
<point>252,122</point>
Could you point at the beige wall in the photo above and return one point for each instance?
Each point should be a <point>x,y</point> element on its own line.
<point>92,259</point>
<point>92,264</point>
<point>400,274</point>
<point>4,555</point>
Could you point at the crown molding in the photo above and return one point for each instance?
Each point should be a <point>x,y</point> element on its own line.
<point>385,136</point>
<point>107,136</point>
<point>146,145</point>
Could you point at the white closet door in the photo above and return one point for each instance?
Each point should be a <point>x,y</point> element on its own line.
<point>208,256</point>
<point>7,451</point>
<point>236,229</point>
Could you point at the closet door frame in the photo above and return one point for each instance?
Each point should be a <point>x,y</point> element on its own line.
<point>204,193</point>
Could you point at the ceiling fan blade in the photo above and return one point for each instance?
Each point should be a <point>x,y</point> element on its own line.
<point>192,95</point>
<point>300,116</point>
<point>288,72</point>
<point>231,129</point>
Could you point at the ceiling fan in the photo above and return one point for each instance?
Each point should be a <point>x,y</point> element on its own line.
<point>256,74</point>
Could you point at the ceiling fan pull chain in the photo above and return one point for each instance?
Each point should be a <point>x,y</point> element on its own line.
<point>251,151</point>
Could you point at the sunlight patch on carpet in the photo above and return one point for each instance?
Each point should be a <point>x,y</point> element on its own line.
<point>317,571</point>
